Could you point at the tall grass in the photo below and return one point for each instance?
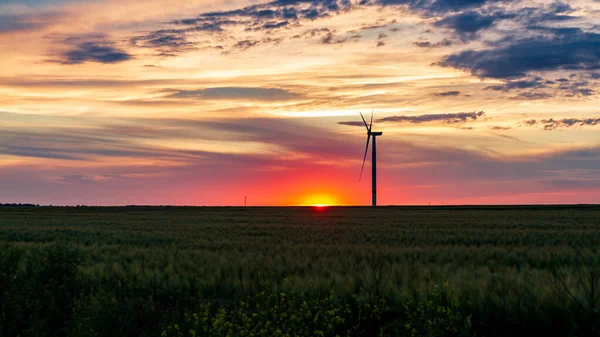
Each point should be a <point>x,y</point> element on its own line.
<point>295,272</point>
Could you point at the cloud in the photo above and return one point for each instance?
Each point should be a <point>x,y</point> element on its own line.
<point>77,178</point>
<point>499,128</point>
<point>330,38</point>
<point>553,124</point>
<point>427,44</point>
<point>164,41</point>
<point>467,24</point>
<point>381,38</point>
<point>530,83</point>
<point>11,23</point>
<point>270,25</point>
<point>94,52</point>
<point>245,44</point>
<point>120,139</point>
<point>432,7</point>
<point>379,25</point>
<point>90,48</point>
<point>560,87</point>
<point>570,50</point>
<point>312,33</point>
<point>262,94</point>
<point>455,5</point>
<point>450,118</point>
<point>465,171</point>
<point>465,17</point>
<point>553,12</point>
<point>447,93</point>
<point>532,96</point>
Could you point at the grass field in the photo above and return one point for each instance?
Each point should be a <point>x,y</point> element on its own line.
<point>392,271</point>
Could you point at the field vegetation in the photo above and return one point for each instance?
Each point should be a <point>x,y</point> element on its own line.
<point>429,271</point>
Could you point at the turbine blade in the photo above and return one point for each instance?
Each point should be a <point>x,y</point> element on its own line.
<point>371,125</point>
<point>364,121</point>
<point>364,158</point>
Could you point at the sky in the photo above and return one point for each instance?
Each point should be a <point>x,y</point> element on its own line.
<point>181,102</point>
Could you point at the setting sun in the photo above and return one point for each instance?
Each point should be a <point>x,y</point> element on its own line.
<point>318,200</point>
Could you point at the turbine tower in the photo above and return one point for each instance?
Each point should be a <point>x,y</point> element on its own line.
<point>370,134</point>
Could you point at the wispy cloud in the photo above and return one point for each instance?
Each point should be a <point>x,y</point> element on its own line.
<point>12,23</point>
<point>262,94</point>
<point>449,118</point>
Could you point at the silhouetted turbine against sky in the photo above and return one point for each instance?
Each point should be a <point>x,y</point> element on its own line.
<point>370,134</point>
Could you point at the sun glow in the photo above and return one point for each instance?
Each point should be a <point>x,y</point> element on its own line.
<point>318,200</point>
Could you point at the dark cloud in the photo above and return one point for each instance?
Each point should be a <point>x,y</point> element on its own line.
<point>312,33</point>
<point>164,41</point>
<point>282,10</point>
<point>330,38</point>
<point>582,92</point>
<point>450,118</point>
<point>271,25</point>
<point>455,5</point>
<point>94,52</point>
<point>554,12</point>
<point>533,95</point>
<point>466,18</point>
<point>262,94</point>
<point>381,39</point>
<point>432,7</point>
<point>577,87</point>
<point>575,50</point>
<point>572,87</point>
<point>246,44</point>
<point>267,17</point>
<point>427,44</point>
<point>467,24</point>
<point>447,93</point>
<point>553,124</point>
<point>90,48</point>
<point>536,82</point>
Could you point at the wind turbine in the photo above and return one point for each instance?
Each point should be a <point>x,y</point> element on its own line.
<point>370,134</point>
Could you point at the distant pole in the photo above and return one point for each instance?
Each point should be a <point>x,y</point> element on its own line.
<point>374,167</point>
<point>245,198</point>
